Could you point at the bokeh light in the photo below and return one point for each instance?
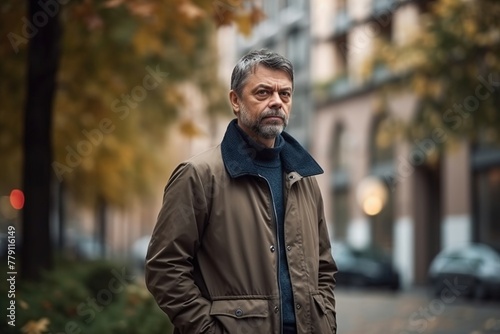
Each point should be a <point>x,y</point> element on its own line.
<point>17,199</point>
<point>371,195</point>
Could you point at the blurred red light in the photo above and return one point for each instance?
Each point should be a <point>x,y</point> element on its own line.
<point>17,199</point>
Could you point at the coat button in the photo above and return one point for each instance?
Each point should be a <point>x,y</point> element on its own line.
<point>298,306</point>
<point>276,309</point>
<point>272,249</point>
<point>238,312</point>
<point>288,248</point>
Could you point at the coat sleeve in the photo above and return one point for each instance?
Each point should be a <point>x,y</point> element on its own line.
<point>172,252</point>
<point>327,265</point>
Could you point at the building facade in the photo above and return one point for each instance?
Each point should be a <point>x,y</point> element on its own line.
<point>404,197</point>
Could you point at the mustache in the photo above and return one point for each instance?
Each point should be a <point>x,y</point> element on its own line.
<point>273,113</point>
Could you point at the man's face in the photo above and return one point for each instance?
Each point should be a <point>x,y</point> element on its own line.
<point>264,106</point>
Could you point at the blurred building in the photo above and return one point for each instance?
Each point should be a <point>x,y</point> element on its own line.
<point>286,30</point>
<point>401,196</point>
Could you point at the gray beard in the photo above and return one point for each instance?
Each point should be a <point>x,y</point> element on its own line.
<point>267,131</point>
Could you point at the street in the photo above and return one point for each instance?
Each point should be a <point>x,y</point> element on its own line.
<point>416,311</point>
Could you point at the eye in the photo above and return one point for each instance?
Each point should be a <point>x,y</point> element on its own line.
<point>286,94</point>
<point>262,92</point>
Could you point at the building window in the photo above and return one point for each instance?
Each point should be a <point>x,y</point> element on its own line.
<point>297,49</point>
<point>341,51</point>
<point>386,29</point>
<point>340,189</point>
<point>340,83</point>
<point>342,21</point>
<point>381,158</point>
<point>340,150</point>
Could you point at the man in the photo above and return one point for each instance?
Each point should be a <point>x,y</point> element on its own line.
<point>241,244</point>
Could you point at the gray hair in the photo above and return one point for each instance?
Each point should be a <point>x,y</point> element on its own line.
<point>248,63</point>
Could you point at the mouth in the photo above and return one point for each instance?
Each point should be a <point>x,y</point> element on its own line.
<point>273,118</point>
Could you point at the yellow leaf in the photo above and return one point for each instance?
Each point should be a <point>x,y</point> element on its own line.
<point>244,24</point>
<point>256,15</point>
<point>222,14</point>
<point>147,43</point>
<point>191,11</point>
<point>36,327</point>
<point>470,27</point>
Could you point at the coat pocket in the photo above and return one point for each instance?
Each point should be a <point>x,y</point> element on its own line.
<point>326,321</point>
<point>242,315</point>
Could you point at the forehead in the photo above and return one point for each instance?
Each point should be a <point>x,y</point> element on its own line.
<point>262,75</point>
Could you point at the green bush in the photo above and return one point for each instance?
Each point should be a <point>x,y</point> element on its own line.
<point>86,298</point>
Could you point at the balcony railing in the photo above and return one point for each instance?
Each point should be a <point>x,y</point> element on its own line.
<point>340,86</point>
<point>343,86</point>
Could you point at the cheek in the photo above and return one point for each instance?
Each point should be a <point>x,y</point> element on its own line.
<point>258,109</point>
<point>253,111</point>
<point>287,107</point>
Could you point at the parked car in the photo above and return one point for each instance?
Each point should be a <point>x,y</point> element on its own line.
<point>368,267</point>
<point>474,269</point>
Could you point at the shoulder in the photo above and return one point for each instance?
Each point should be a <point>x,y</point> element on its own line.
<point>211,158</point>
<point>207,163</point>
<point>201,166</point>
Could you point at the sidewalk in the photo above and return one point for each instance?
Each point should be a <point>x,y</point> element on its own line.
<point>414,311</point>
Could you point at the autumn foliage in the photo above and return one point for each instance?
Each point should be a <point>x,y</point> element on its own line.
<point>452,64</point>
<point>117,87</point>
<point>90,88</point>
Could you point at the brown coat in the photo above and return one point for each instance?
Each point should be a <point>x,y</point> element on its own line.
<point>212,261</point>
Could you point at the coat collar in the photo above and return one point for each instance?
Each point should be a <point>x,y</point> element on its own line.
<point>238,155</point>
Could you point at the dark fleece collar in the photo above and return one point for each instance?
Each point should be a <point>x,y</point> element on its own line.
<point>238,155</point>
<point>261,152</point>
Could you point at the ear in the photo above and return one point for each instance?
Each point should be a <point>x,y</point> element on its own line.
<point>235,101</point>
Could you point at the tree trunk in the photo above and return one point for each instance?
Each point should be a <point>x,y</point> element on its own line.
<point>43,61</point>
<point>61,215</point>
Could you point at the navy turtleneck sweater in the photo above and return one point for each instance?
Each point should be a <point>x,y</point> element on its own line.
<point>267,162</point>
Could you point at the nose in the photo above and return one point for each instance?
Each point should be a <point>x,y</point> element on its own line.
<point>275,101</point>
